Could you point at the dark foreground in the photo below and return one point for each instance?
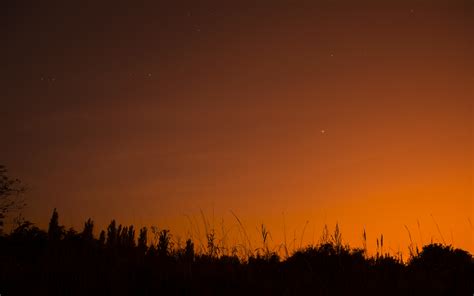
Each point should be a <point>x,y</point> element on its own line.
<point>59,262</point>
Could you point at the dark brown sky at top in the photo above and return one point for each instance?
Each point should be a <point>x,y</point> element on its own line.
<point>349,111</point>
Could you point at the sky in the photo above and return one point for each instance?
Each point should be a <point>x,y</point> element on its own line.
<point>292,114</point>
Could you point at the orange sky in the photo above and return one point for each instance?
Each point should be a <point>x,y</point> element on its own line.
<point>148,114</point>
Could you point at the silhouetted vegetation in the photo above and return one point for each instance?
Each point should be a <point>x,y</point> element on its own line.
<point>10,195</point>
<point>62,261</point>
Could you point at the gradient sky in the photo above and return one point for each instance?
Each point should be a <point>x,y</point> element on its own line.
<point>357,112</point>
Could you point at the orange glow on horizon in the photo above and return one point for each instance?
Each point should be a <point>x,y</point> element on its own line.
<point>357,114</point>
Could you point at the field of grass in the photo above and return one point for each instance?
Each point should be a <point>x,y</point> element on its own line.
<point>120,261</point>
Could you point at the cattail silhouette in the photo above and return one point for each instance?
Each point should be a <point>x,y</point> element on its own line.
<point>364,241</point>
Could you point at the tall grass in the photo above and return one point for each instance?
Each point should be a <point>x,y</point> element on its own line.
<point>164,263</point>
<point>235,240</point>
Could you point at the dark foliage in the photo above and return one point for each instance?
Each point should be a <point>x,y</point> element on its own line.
<point>10,195</point>
<point>65,262</point>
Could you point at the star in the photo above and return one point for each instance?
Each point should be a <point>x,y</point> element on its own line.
<point>323,131</point>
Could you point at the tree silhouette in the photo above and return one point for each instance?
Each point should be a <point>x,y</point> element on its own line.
<point>10,195</point>
<point>164,243</point>
<point>87,233</point>
<point>189,250</point>
<point>142,240</point>
<point>112,234</point>
<point>102,238</point>
<point>55,231</point>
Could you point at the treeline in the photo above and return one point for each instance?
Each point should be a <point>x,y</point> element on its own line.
<point>122,261</point>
